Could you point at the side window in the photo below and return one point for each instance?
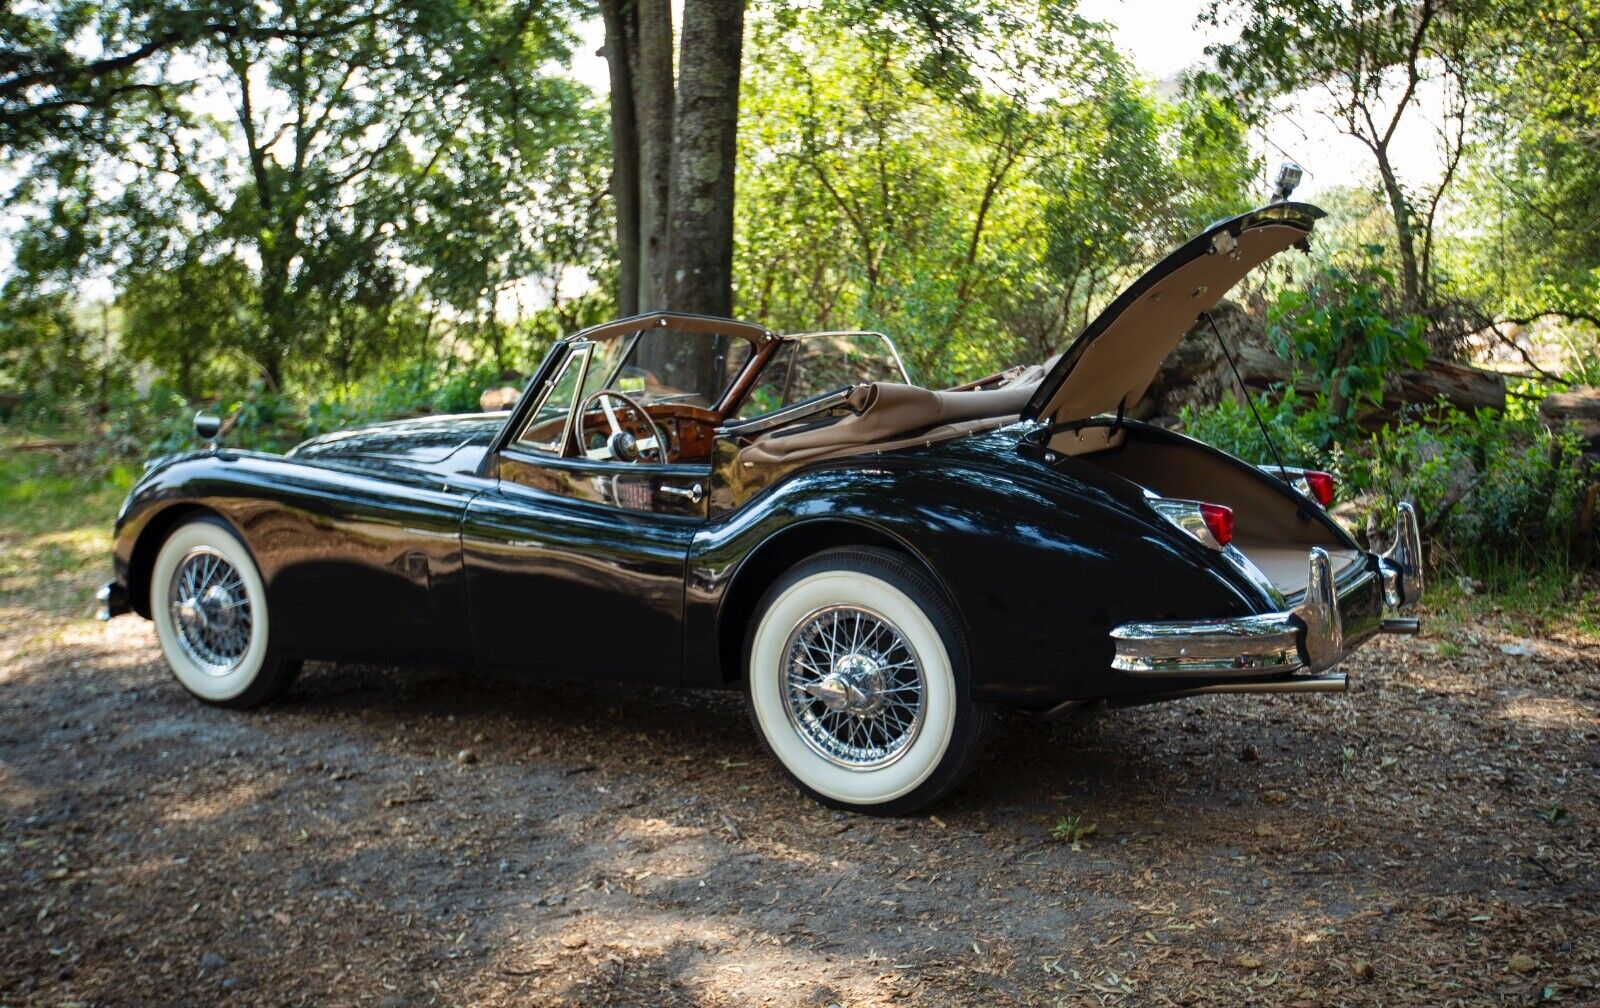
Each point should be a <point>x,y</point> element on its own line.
<point>546,429</point>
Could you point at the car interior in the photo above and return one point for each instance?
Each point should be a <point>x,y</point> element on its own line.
<point>813,395</point>
<point>829,395</point>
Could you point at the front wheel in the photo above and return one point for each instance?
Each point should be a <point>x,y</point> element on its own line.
<point>859,686</point>
<point>210,610</point>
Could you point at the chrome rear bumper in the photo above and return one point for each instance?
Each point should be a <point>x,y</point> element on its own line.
<point>1313,636</point>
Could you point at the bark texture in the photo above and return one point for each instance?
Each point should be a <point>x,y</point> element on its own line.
<point>1196,374</point>
<point>701,226</point>
<point>618,16</point>
<point>653,116</point>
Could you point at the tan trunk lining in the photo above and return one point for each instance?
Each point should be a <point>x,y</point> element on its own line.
<point>1267,526</point>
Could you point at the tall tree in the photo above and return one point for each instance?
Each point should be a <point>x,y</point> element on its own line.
<point>705,136</point>
<point>673,141</point>
<point>620,19</point>
<point>1533,211</point>
<point>1372,61</point>
<point>325,147</point>
<point>675,137</point>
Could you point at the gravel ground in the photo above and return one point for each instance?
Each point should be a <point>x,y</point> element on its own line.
<point>395,838</point>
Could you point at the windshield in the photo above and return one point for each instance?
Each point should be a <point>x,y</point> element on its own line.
<point>663,364</point>
<point>822,362</point>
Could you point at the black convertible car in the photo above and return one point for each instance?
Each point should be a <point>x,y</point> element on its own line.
<point>700,502</point>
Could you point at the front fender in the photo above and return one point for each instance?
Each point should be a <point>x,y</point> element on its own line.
<point>357,562</point>
<point>170,488</point>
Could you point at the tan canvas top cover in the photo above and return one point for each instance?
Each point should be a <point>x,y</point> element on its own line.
<point>885,415</point>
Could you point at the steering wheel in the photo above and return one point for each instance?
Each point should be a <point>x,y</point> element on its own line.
<point>621,444</point>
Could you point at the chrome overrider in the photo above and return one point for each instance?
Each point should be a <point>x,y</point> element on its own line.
<point>1309,638</point>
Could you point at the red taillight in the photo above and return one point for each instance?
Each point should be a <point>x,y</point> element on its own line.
<point>1321,485</point>
<point>1219,520</point>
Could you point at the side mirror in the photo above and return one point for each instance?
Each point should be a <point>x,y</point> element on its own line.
<point>207,426</point>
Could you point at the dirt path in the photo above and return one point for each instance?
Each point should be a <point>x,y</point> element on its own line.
<point>617,845</point>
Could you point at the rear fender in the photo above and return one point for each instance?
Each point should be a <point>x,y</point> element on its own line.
<point>1038,569</point>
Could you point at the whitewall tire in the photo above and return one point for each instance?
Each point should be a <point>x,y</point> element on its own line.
<point>209,606</point>
<point>858,683</point>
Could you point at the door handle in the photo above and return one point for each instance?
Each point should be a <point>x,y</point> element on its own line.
<point>694,494</point>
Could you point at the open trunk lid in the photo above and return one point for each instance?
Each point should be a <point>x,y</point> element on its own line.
<point>1111,364</point>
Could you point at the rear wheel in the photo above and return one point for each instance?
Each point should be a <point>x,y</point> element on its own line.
<point>210,610</point>
<point>859,686</point>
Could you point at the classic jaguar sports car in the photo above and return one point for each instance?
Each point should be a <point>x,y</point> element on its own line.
<point>700,502</point>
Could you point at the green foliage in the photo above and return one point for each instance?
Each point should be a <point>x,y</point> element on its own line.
<point>294,192</point>
<point>1486,485</point>
<point>1299,431</point>
<point>1529,243</point>
<point>1071,829</point>
<point>975,222</point>
<point>1491,488</point>
<point>1340,331</point>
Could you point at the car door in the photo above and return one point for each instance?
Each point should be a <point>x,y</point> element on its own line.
<point>575,566</point>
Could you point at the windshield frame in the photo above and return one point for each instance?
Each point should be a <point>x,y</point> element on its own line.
<point>763,342</point>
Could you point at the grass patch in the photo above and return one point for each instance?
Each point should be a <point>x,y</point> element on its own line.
<point>55,529</point>
<point>1071,829</point>
<point>1520,599</point>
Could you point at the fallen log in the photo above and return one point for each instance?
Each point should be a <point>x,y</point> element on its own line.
<point>1463,386</point>
<point>1579,406</point>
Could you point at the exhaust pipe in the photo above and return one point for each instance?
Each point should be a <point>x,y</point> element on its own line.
<point>1336,682</point>
<point>1406,626</point>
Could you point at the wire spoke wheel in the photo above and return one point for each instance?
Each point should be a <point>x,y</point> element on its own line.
<point>853,687</point>
<point>211,609</point>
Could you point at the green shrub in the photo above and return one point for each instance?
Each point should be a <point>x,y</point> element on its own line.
<point>1299,430</point>
<point>1490,488</point>
<point>1341,331</point>
<point>1487,486</point>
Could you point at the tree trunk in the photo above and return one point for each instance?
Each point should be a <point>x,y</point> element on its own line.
<point>651,66</point>
<point>624,151</point>
<point>278,316</point>
<point>701,223</point>
<point>1405,237</point>
<point>1461,385</point>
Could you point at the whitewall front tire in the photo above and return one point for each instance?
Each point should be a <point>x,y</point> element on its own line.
<point>209,606</point>
<point>858,683</point>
